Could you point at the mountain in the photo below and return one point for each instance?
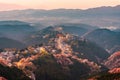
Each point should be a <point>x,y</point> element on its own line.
<point>118,30</point>
<point>73,47</point>
<point>41,36</point>
<point>15,29</point>
<point>13,22</point>
<point>51,31</point>
<point>76,29</point>
<point>89,50</point>
<point>69,56</point>
<point>105,75</point>
<point>10,43</point>
<point>67,69</point>
<point>107,39</point>
<point>101,16</point>
<point>113,60</point>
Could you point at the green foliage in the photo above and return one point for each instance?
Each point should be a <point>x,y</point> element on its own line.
<point>108,76</point>
<point>12,73</point>
<point>105,38</point>
<point>104,75</point>
<point>88,50</point>
<point>78,70</point>
<point>49,69</point>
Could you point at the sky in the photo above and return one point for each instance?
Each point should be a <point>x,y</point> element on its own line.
<point>54,4</point>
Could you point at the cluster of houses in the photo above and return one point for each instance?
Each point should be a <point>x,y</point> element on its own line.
<point>23,58</point>
<point>8,56</point>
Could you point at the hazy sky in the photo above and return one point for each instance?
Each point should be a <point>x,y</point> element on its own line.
<point>53,4</point>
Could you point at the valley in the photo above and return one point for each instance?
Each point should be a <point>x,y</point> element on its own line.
<point>56,45</point>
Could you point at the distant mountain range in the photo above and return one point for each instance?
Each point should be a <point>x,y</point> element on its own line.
<point>101,16</point>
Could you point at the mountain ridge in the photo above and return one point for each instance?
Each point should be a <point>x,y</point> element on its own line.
<point>102,16</point>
